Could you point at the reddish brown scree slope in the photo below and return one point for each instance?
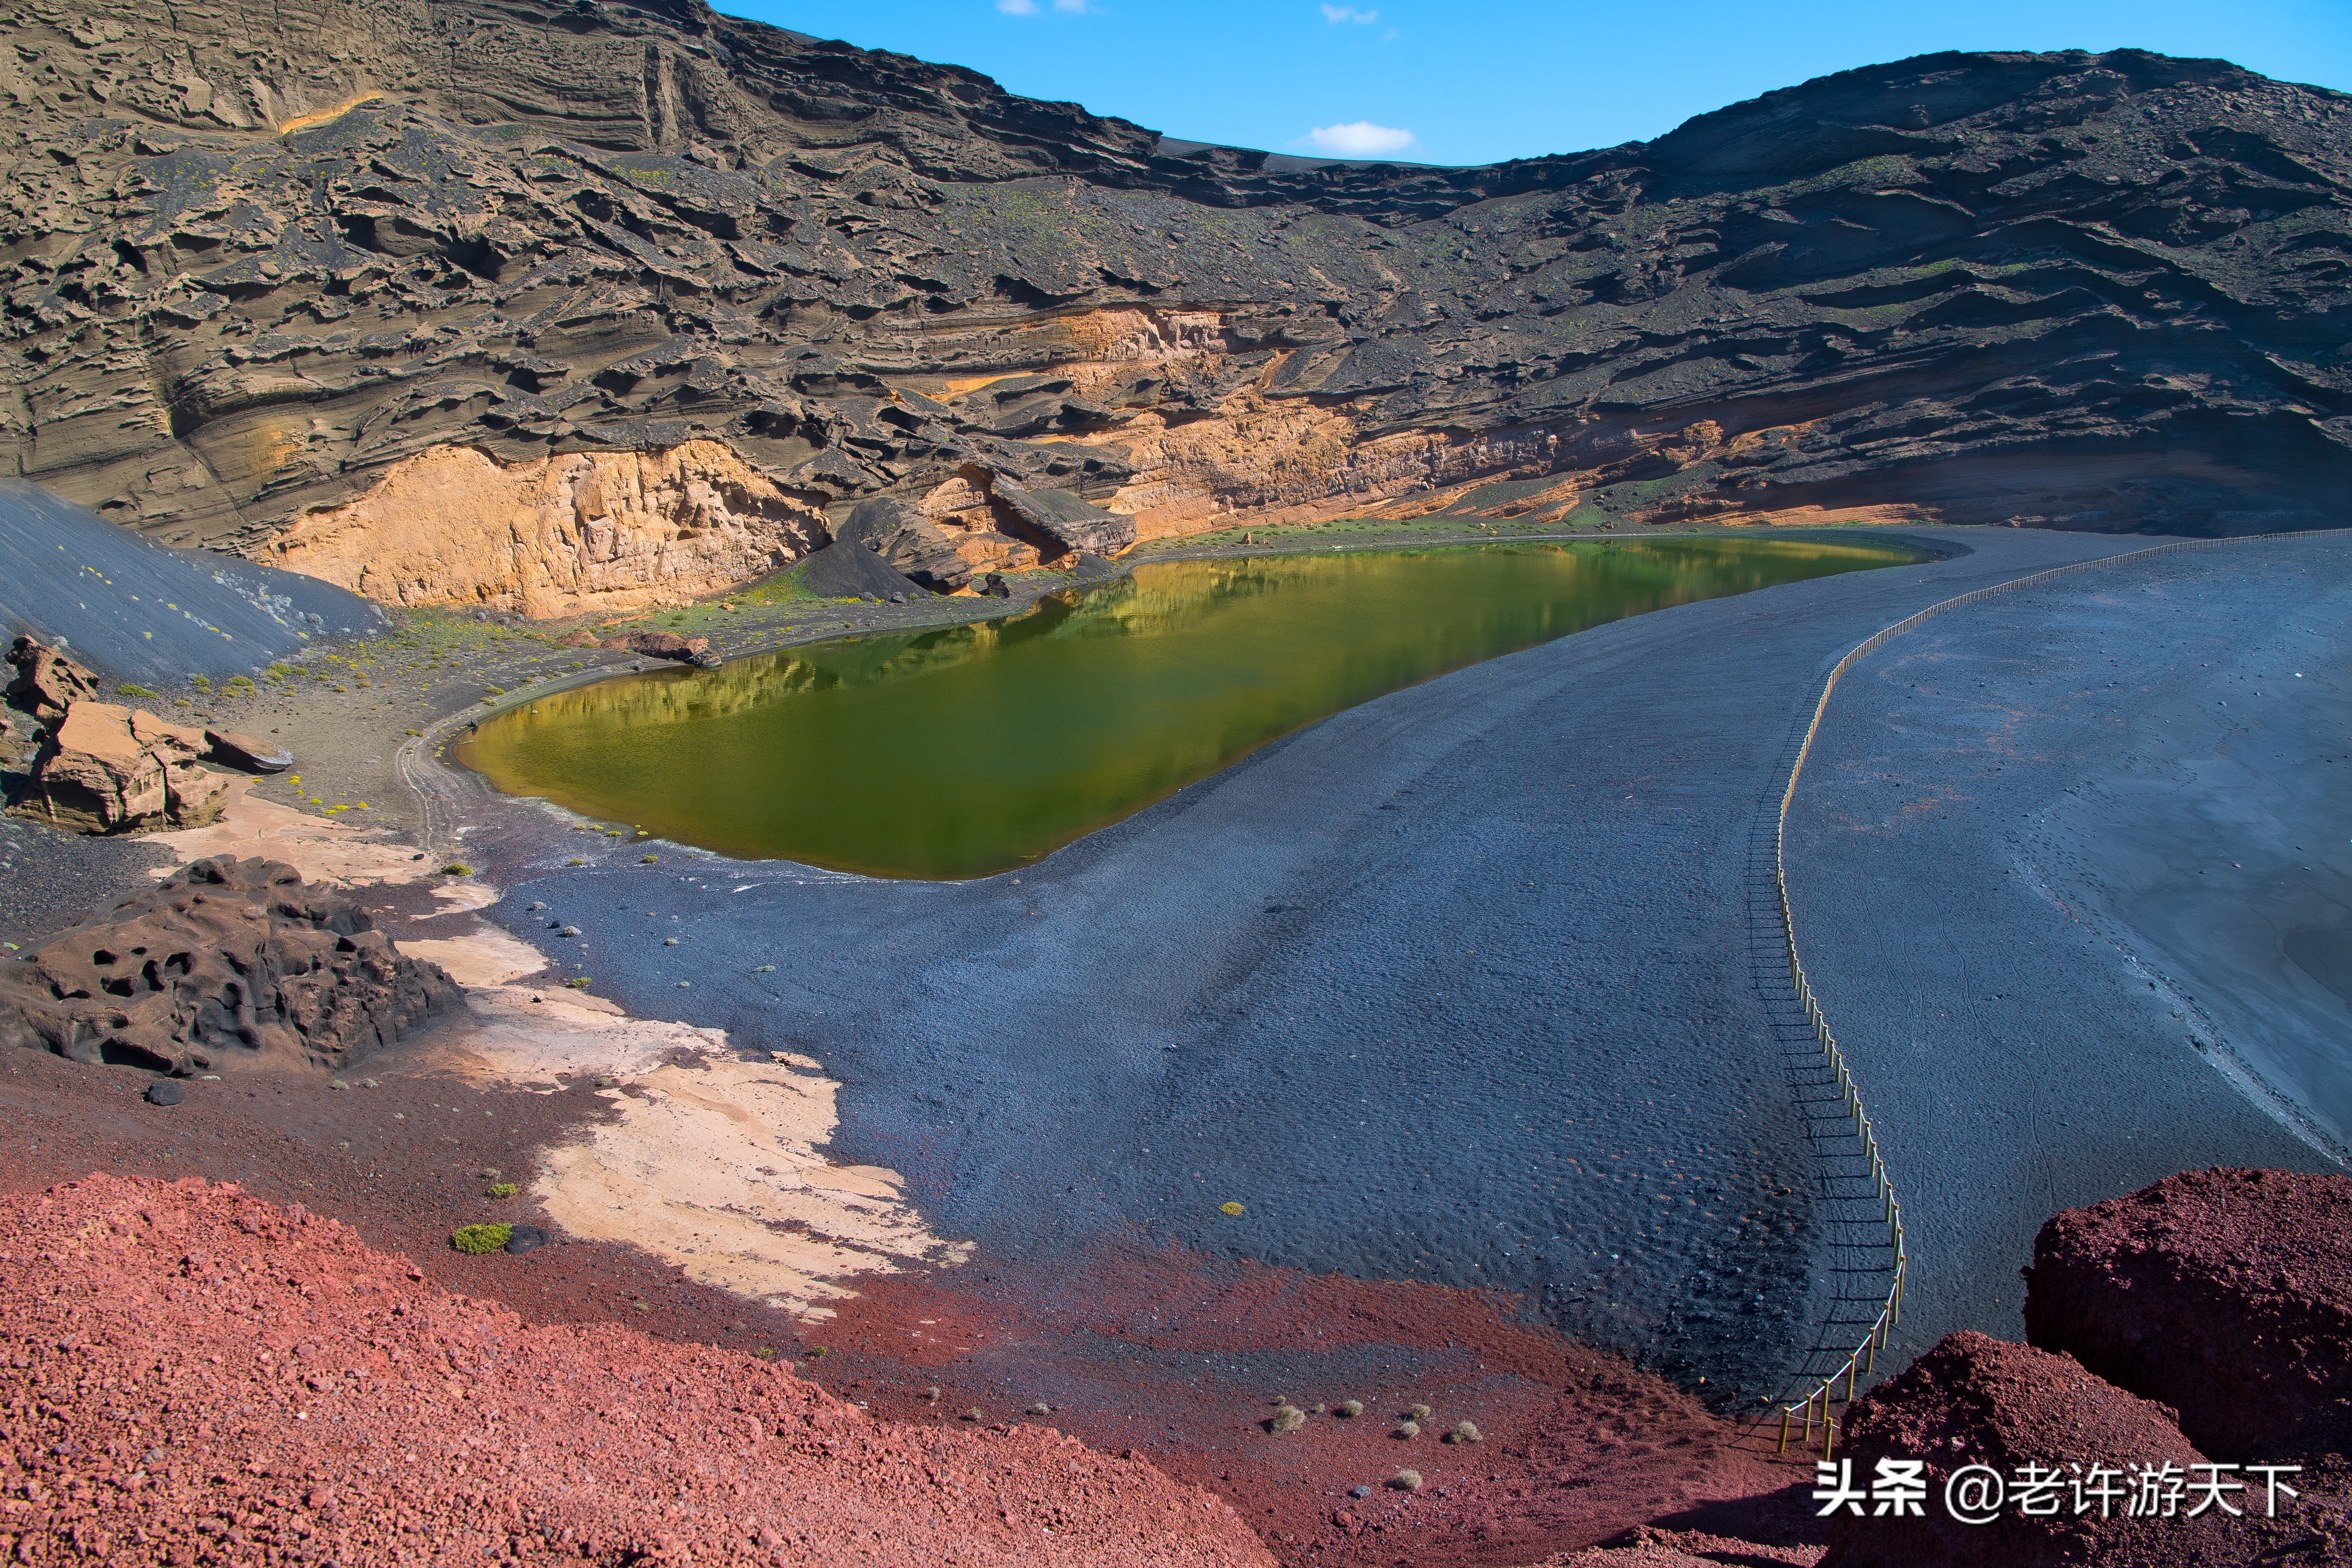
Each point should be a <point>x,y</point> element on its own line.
<point>2226,1294</point>
<point>192,1376</point>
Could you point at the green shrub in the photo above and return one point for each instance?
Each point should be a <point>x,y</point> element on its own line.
<point>457,868</point>
<point>480,1238</point>
<point>133,688</point>
<point>499,1190</point>
<point>200,683</point>
<point>238,685</point>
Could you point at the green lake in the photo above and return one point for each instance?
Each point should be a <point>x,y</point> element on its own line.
<point>965,751</point>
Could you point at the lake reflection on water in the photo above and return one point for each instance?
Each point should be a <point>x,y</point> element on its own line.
<point>969,750</point>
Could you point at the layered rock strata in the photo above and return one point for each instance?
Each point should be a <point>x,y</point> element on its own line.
<point>324,270</point>
<point>557,536</point>
<point>227,963</point>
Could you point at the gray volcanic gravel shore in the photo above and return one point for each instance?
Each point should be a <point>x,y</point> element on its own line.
<point>1458,986</point>
<point>2071,871</point>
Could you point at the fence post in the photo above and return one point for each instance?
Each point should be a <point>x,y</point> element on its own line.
<point>1891,1312</point>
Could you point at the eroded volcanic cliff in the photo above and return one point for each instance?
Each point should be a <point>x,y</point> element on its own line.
<point>657,295</point>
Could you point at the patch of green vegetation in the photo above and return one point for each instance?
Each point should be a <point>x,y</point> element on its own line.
<point>457,868</point>
<point>200,683</point>
<point>238,686</point>
<point>480,1238</point>
<point>133,688</point>
<point>500,1190</point>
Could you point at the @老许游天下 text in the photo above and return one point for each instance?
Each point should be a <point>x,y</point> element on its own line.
<point>1979,1494</point>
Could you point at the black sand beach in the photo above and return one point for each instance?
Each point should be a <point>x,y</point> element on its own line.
<point>1460,986</point>
<point>2071,873</point>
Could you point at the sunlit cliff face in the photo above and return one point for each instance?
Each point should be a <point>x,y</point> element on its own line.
<point>282,269</point>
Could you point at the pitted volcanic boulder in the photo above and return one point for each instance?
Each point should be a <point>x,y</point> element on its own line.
<point>277,1391</point>
<point>227,964</point>
<point>46,682</point>
<point>105,768</point>
<point>2226,1294</point>
<point>1974,1400</point>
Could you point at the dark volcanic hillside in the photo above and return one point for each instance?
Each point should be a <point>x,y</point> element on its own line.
<point>557,306</point>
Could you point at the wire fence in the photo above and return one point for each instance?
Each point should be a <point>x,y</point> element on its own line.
<point>1819,1408</point>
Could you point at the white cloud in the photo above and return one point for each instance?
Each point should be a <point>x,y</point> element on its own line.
<point>1335,15</point>
<point>1359,139</point>
<point>1017,7</point>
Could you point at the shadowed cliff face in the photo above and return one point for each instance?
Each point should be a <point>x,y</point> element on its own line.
<point>255,263</point>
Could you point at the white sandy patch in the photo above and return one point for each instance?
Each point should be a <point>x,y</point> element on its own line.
<point>485,958</point>
<point>715,1168</point>
<point>712,1166</point>
<point>537,1032</point>
<point>712,1163</point>
<point>456,898</point>
<point>321,850</point>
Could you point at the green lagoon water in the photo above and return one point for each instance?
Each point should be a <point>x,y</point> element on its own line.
<point>970,750</point>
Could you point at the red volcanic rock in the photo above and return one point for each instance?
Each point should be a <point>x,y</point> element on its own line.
<point>1973,1400</point>
<point>2226,1294</point>
<point>191,1375</point>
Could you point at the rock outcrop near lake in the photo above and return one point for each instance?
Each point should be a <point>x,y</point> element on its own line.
<point>228,964</point>
<point>661,287</point>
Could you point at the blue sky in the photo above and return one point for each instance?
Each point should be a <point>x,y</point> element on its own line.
<point>1476,81</point>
